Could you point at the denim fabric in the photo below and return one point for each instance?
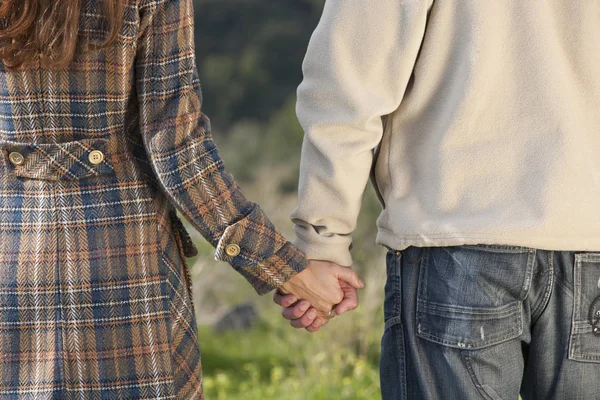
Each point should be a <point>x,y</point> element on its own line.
<point>490,322</point>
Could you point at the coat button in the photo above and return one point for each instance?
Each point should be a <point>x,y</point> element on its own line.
<point>233,250</point>
<point>96,157</point>
<point>16,158</point>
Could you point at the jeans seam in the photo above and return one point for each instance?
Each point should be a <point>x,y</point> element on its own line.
<point>528,274</point>
<point>398,283</point>
<point>467,360</point>
<point>547,293</point>
<point>403,362</point>
<point>574,351</point>
<point>394,326</point>
<point>398,268</point>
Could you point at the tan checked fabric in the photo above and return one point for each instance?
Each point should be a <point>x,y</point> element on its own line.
<point>95,295</point>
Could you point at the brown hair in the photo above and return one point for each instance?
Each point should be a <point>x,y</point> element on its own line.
<point>48,30</point>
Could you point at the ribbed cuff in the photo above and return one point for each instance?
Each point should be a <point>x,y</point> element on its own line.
<point>338,253</point>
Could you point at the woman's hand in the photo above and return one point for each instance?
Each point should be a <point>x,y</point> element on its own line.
<point>320,287</point>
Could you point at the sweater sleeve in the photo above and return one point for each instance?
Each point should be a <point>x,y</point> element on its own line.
<point>358,64</point>
<point>184,158</point>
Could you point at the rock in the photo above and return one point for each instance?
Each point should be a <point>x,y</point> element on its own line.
<point>240,318</point>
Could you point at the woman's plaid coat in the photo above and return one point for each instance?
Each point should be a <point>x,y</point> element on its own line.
<point>95,301</point>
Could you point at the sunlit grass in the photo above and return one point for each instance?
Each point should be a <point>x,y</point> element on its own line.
<point>261,364</point>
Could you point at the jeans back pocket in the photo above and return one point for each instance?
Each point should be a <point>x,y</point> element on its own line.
<point>471,296</point>
<point>584,344</point>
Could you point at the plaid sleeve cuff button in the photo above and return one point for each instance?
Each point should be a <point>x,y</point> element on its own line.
<point>233,250</point>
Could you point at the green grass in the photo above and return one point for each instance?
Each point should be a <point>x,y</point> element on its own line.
<point>275,361</point>
<point>268,363</point>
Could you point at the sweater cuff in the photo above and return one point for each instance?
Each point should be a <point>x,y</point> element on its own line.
<point>333,251</point>
<point>259,252</point>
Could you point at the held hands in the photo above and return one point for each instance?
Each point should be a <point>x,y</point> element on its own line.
<point>313,296</point>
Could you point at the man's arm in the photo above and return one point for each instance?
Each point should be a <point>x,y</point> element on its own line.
<point>358,64</point>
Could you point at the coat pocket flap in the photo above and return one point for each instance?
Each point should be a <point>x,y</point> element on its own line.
<point>58,161</point>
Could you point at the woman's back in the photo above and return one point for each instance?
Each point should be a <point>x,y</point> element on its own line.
<point>100,297</point>
<point>95,157</point>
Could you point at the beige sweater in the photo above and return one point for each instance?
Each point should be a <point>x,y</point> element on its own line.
<point>480,120</point>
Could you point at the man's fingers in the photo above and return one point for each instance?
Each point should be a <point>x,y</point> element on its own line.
<point>306,320</point>
<point>350,276</point>
<point>350,301</point>
<point>284,300</point>
<point>318,323</point>
<point>296,311</point>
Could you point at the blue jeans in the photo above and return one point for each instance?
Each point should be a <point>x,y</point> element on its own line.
<point>490,322</point>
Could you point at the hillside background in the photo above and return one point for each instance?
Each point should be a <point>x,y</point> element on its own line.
<point>249,55</point>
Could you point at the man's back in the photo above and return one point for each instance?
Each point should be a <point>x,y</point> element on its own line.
<point>480,122</point>
<point>483,114</point>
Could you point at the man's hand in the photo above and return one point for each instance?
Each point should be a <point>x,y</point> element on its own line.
<point>303,313</point>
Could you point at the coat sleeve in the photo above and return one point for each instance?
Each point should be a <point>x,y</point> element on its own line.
<point>356,69</point>
<point>185,159</point>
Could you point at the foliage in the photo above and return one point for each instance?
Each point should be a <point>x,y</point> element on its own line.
<point>250,54</point>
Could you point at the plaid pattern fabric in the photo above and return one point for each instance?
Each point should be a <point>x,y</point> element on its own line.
<point>96,296</point>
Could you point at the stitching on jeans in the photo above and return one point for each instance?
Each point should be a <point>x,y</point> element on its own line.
<point>400,327</point>
<point>394,327</point>
<point>392,321</point>
<point>398,283</point>
<point>467,360</point>
<point>448,310</point>
<point>495,248</point>
<point>393,284</point>
<point>576,352</point>
<point>589,256</point>
<point>547,293</point>
<point>531,258</point>
<point>402,357</point>
<point>503,336</point>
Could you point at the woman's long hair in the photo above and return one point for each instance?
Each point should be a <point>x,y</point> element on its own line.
<point>48,30</point>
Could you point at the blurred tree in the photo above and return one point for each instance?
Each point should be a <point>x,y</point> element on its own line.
<point>250,55</point>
